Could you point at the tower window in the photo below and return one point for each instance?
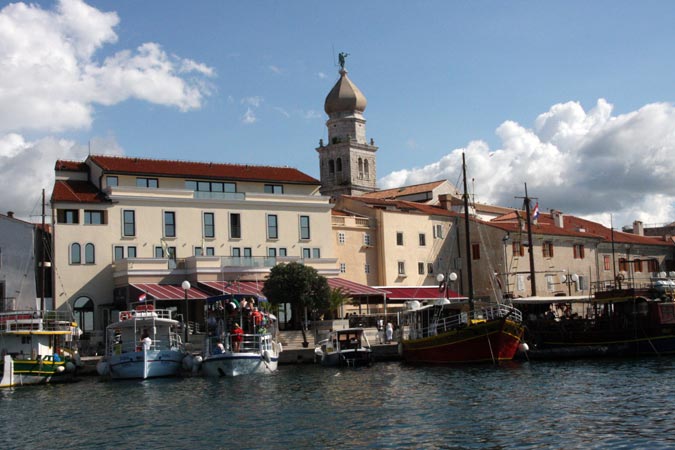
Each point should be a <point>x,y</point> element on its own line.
<point>338,164</point>
<point>331,166</point>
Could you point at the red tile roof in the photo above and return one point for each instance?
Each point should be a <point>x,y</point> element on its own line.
<point>404,206</point>
<point>200,170</point>
<point>76,191</point>
<point>404,190</point>
<point>73,166</point>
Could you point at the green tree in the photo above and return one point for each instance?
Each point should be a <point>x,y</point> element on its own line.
<point>299,285</point>
<point>337,298</point>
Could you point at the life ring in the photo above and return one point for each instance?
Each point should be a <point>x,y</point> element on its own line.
<point>125,315</point>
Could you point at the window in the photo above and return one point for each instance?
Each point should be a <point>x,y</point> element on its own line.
<point>147,182</point>
<point>343,268</point>
<point>75,254</point>
<point>68,216</point>
<point>83,309</point>
<point>360,169</point>
<point>209,225</point>
<point>210,186</point>
<point>341,238</point>
<point>199,251</point>
<point>438,231</point>
<point>550,283</point>
<point>159,252</point>
<point>420,268</point>
<point>475,251</point>
<point>430,268</point>
<point>170,252</point>
<point>89,254</point>
<point>399,238</point>
<point>118,253</point>
<point>316,253</point>
<point>111,181</point>
<point>517,248</point>
<point>274,189</point>
<point>401,268</point>
<point>129,222</point>
<point>169,224</point>
<point>547,249</point>
<point>235,226</point>
<point>272,227</point>
<point>131,252</point>
<point>637,265</point>
<point>93,217</point>
<point>607,261</point>
<point>306,253</point>
<point>652,265</point>
<point>423,240</point>
<point>247,252</point>
<point>282,251</point>
<point>304,227</point>
<point>236,252</point>
<point>366,240</point>
<point>338,164</point>
<point>582,284</point>
<point>578,251</point>
<point>520,282</point>
<point>366,268</point>
<point>623,265</point>
<point>272,252</point>
<point>365,169</point>
<point>331,167</point>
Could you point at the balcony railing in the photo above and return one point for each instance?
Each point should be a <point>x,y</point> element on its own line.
<point>203,195</point>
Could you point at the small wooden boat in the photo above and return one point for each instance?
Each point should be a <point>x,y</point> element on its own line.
<point>348,347</point>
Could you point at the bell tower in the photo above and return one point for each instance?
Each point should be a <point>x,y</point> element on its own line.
<point>347,160</point>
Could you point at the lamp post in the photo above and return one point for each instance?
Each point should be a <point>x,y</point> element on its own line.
<point>568,280</point>
<point>443,285</point>
<point>186,287</point>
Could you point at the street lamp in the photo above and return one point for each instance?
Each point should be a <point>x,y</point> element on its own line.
<point>186,287</point>
<point>568,280</point>
<point>443,285</point>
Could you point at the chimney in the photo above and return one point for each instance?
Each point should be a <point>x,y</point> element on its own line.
<point>638,228</point>
<point>558,217</point>
<point>10,214</point>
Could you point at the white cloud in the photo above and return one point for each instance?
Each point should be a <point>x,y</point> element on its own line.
<point>282,111</point>
<point>50,79</point>
<point>249,117</point>
<point>322,75</point>
<point>588,163</point>
<point>254,101</point>
<point>312,114</point>
<point>28,167</point>
<point>276,69</point>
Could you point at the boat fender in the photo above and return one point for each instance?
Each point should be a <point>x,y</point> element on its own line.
<point>102,368</point>
<point>266,356</point>
<point>280,348</point>
<point>188,362</point>
<point>197,363</point>
<point>523,347</point>
<point>70,367</point>
<point>35,315</point>
<point>60,369</point>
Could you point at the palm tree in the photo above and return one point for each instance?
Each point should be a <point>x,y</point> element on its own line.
<point>337,297</point>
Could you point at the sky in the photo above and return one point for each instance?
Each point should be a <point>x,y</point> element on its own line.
<point>573,98</point>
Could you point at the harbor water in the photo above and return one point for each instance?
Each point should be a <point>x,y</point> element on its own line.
<point>572,404</point>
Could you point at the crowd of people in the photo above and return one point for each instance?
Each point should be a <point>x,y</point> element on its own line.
<point>233,318</point>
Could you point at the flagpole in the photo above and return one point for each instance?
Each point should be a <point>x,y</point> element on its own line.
<point>533,282</point>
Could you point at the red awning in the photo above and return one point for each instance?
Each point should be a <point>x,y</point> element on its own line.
<point>252,288</point>
<point>353,288</point>
<point>157,291</point>
<point>415,293</point>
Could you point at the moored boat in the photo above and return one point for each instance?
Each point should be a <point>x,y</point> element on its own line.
<point>37,347</point>
<point>613,322</point>
<point>143,343</point>
<point>347,347</point>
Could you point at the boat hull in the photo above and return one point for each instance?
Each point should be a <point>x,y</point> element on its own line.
<point>347,358</point>
<point>230,364</point>
<point>145,364</point>
<point>489,341</point>
<point>25,372</point>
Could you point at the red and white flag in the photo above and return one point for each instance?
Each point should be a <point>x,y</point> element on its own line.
<point>142,297</point>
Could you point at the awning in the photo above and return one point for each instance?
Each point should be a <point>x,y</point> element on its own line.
<point>157,291</point>
<point>353,288</point>
<point>242,288</point>
<point>415,293</point>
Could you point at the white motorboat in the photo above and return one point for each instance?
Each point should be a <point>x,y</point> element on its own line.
<point>144,343</point>
<point>347,347</point>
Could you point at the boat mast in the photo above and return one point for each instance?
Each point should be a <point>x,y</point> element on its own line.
<point>43,243</point>
<point>533,282</point>
<point>468,237</point>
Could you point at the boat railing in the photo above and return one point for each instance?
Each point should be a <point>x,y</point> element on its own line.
<point>36,321</point>
<point>462,319</point>
<point>145,313</point>
<point>118,348</point>
<point>249,343</point>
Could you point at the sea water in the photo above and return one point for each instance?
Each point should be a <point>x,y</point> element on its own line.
<point>572,404</point>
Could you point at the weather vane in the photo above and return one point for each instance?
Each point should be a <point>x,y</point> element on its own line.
<point>342,56</point>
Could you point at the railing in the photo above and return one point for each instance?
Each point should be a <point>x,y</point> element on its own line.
<point>250,343</point>
<point>247,261</point>
<point>173,341</point>
<point>460,319</point>
<point>219,195</point>
<point>145,313</point>
<point>36,321</point>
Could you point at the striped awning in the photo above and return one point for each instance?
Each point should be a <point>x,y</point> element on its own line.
<point>353,288</point>
<point>156,291</point>
<point>252,288</point>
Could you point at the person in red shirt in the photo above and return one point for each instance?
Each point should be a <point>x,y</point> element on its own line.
<point>237,337</point>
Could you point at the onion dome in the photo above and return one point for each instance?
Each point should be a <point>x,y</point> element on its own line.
<point>344,97</point>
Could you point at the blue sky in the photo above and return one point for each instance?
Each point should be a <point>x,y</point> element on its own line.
<point>574,98</point>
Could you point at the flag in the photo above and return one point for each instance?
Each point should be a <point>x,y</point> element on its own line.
<point>142,297</point>
<point>535,213</point>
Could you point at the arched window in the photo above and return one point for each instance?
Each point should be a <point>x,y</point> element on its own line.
<point>84,314</point>
<point>89,254</point>
<point>360,169</point>
<point>365,169</point>
<point>339,164</point>
<point>75,253</point>
<point>331,167</point>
